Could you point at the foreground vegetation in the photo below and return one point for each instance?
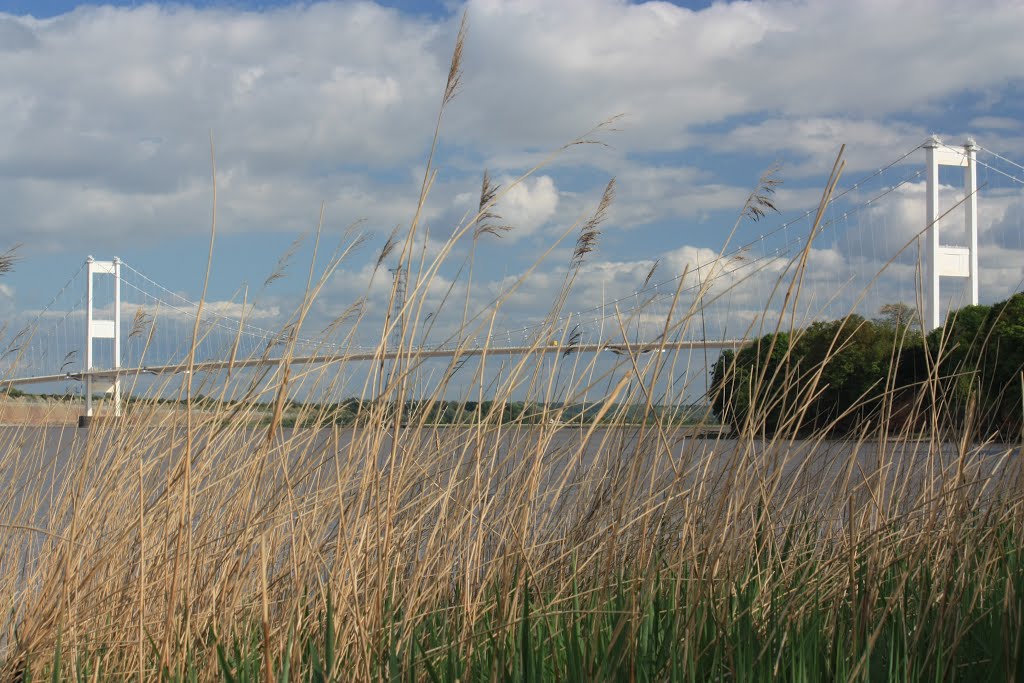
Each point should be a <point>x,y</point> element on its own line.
<point>188,545</point>
<point>886,622</point>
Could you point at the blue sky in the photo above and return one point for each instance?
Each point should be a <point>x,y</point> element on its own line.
<point>106,112</point>
<point>51,8</point>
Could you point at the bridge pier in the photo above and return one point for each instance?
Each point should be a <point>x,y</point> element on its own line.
<point>943,260</point>
<point>99,328</point>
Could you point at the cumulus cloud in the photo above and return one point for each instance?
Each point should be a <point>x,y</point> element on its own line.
<point>8,301</point>
<point>995,123</point>
<point>110,109</point>
<point>523,204</point>
<point>816,141</point>
<point>670,68</point>
<point>117,102</point>
<point>16,36</point>
<point>105,115</point>
<point>1001,218</point>
<point>529,204</point>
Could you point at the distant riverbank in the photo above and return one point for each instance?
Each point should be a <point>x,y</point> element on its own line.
<point>39,412</point>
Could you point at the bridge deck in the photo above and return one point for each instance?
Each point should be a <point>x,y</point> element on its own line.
<point>376,355</point>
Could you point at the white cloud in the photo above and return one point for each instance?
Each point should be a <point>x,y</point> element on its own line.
<point>816,141</point>
<point>8,301</point>
<point>670,68</point>
<point>119,101</point>
<point>529,204</point>
<point>107,111</point>
<point>15,35</point>
<point>105,114</point>
<point>1002,221</point>
<point>996,123</point>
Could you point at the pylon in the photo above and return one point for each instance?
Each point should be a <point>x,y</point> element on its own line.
<point>98,328</point>
<point>942,260</point>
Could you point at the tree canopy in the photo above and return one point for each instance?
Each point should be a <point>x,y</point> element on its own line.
<point>848,374</point>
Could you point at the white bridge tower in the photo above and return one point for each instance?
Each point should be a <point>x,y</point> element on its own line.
<point>949,261</point>
<point>102,328</point>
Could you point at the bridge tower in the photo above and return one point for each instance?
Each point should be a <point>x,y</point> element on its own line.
<point>942,260</point>
<point>99,328</point>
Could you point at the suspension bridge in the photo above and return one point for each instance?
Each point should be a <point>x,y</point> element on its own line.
<point>911,230</point>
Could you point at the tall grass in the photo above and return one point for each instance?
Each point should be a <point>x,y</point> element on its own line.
<point>189,544</point>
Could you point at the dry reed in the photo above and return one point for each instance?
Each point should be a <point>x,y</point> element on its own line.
<point>167,544</point>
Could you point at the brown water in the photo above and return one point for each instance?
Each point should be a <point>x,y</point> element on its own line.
<point>47,460</point>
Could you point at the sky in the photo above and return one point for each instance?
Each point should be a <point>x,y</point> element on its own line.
<point>107,113</point>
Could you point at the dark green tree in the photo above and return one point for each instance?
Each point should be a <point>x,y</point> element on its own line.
<point>852,359</point>
<point>830,376</point>
<point>748,389</point>
<point>897,315</point>
<point>1000,365</point>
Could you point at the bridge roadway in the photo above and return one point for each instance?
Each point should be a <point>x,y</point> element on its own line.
<point>376,355</point>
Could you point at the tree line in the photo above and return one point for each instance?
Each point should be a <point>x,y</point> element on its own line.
<point>355,411</point>
<point>855,373</point>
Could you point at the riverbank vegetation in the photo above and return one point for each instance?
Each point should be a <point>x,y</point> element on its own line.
<point>433,412</point>
<point>186,545</point>
<point>840,376</point>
